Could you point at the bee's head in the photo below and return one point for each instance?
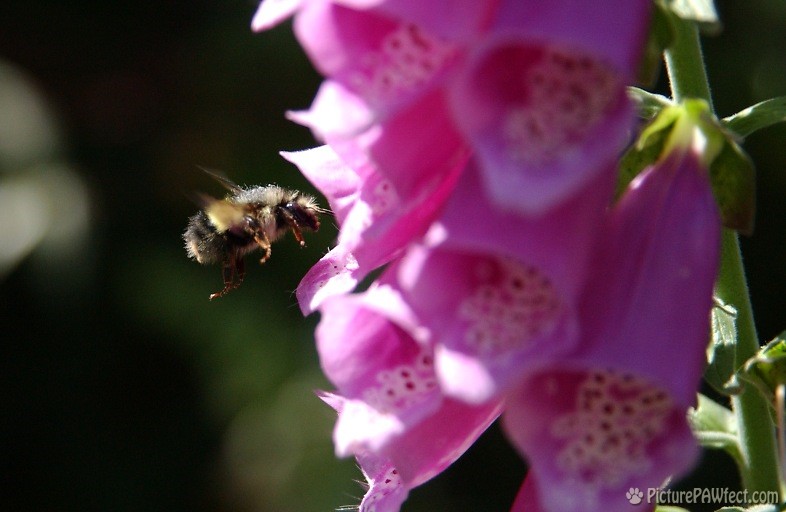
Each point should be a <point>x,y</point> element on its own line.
<point>305,211</point>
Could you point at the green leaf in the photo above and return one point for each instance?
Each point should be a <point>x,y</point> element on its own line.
<point>667,508</point>
<point>714,426</point>
<point>760,115</point>
<point>648,105</point>
<point>767,369</point>
<point>733,181</point>
<point>701,11</point>
<point>720,372</point>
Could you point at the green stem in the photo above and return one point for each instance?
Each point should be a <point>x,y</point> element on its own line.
<point>759,464</point>
<point>685,64</point>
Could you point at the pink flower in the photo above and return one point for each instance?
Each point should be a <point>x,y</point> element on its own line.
<point>418,455</point>
<point>612,415</point>
<point>392,414</point>
<point>377,219</point>
<point>497,291</point>
<point>542,100</point>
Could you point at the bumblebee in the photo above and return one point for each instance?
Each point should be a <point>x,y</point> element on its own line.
<point>247,219</point>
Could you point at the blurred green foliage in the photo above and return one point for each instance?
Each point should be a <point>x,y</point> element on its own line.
<point>121,386</point>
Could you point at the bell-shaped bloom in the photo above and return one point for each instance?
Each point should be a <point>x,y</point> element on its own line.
<point>387,62</point>
<point>392,414</point>
<point>384,94</point>
<point>542,98</point>
<point>419,454</point>
<point>612,416</point>
<point>499,291</point>
<point>377,220</point>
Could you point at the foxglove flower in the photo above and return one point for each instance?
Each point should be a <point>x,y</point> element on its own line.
<point>498,291</point>
<point>542,100</point>
<point>385,78</point>
<point>392,414</point>
<point>612,416</point>
<point>377,220</point>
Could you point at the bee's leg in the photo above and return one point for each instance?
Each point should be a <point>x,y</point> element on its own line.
<point>298,235</point>
<point>264,243</point>
<point>228,271</point>
<point>240,269</point>
<point>234,265</point>
<point>293,225</point>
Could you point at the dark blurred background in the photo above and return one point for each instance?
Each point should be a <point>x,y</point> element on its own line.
<point>122,388</point>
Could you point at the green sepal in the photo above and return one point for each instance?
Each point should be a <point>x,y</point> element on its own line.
<point>702,12</point>
<point>678,126</point>
<point>760,115</point>
<point>733,179</point>
<point>714,426</point>
<point>767,369</point>
<point>648,148</point>
<point>721,368</point>
<point>669,508</point>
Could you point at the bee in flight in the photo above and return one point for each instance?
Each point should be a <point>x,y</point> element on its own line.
<point>251,218</point>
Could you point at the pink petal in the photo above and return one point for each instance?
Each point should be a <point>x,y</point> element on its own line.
<point>613,31</point>
<point>652,292</point>
<point>500,291</point>
<point>386,377</point>
<point>527,497</point>
<point>330,175</point>
<point>592,435</point>
<point>335,274</point>
<point>544,121</point>
<point>335,112</point>
<point>386,61</point>
<point>272,12</point>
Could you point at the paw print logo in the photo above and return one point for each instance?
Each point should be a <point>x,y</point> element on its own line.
<point>634,495</point>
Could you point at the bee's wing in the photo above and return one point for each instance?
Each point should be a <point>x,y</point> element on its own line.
<point>226,182</point>
<point>222,214</point>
